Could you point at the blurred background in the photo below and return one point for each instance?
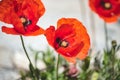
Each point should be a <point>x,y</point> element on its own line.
<point>10,45</point>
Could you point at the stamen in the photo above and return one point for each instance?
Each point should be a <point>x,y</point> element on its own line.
<point>25,21</point>
<point>64,43</point>
<point>107,5</point>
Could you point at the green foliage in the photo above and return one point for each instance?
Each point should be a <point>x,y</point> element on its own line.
<point>106,68</point>
<point>110,69</point>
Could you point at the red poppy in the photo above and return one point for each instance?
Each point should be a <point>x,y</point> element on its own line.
<point>23,15</point>
<point>70,39</point>
<point>109,10</point>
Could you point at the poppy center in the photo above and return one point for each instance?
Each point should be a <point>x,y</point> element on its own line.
<point>62,43</point>
<point>25,21</point>
<point>107,5</point>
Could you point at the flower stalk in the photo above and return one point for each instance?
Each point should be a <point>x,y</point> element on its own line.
<point>57,66</point>
<point>31,65</point>
<point>106,35</point>
<point>25,49</point>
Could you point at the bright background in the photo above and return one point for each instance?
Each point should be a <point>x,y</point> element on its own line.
<point>56,9</point>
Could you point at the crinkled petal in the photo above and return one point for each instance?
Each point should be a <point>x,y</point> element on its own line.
<point>5,10</point>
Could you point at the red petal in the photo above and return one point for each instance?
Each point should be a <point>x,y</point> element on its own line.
<point>41,8</point>
<point>39,31</point>
<point>70,59</point>
<point>84,51</point>
<point>110,19</point>
<point>5,10</point>
<point>9,30</point>
<point>50,34</point>
<point>15,20</point>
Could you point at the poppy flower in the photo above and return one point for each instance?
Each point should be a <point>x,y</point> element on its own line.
<point>70,39</point>
<point>109,10</point>
<point>23,15</point>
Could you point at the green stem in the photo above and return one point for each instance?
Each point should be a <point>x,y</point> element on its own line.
<point>57,66</point>
<point>106,35</point>
<point>32,72</point>
<point>113,63</point>
<point>25,49</point>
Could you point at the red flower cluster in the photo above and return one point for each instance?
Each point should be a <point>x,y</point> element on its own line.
<point>23,15</point>
<point>109,10</point>
<point>70,39</point>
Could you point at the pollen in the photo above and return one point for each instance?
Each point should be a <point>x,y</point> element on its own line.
<point>23,19</point>
<point>107,5</point>
<point>64,43</point>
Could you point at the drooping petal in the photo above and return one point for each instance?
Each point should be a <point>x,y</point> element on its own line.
<point>9,30</point>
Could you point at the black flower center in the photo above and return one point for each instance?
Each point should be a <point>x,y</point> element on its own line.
<point>25,21</point>
<point>58,40</point>
<point>62,43</point>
